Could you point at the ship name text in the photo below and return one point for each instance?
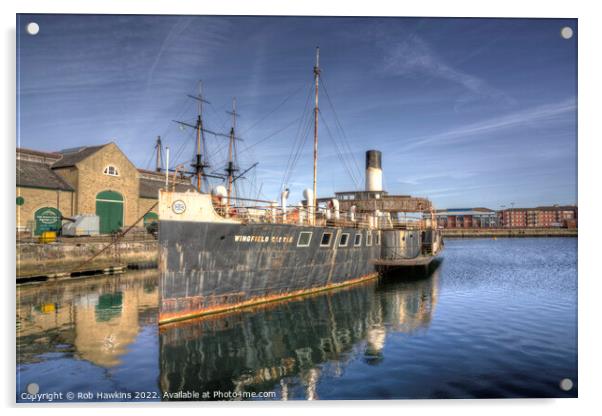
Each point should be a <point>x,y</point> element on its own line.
<point>263,239</point>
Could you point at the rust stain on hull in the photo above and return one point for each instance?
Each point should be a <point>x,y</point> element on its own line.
<point>171,318</point>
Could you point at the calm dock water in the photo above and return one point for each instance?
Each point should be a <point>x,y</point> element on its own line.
<point>497,318</point>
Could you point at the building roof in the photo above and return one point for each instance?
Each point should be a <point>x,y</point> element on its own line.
<point>160,176</point>
<point>149,188</point>
<point>465,212</point>
<point>39,175</point>
<point>33,152</point>
<point>545,208</point>
<point>70,157</point>
<point>37,156</point>
<point>557,208</point>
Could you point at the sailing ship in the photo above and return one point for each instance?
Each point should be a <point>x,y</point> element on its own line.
<point>218,255</point>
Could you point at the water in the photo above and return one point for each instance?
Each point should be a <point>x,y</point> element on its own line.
<point>497,318</point>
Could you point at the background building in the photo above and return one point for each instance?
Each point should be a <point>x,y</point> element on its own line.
<point>467,218</point>
<point>555,216</point>
<point>97,180</point>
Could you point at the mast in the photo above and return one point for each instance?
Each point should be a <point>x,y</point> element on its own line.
<point>199,128</point>
<point>198,165</point>
<point>200,138</point>
<point>316,79</point>
<point>230,168</point>
<point>159,148</point>
<point>166,168</point>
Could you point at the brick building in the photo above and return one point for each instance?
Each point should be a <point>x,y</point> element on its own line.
<point>538,217</point>
<point>555,216</point>
<point>97,180</point>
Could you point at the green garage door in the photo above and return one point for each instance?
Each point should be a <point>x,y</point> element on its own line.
<point>109,208</point>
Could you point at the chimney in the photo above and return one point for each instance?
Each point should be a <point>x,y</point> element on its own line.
<point>374,172</point>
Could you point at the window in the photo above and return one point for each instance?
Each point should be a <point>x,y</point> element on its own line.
<point>344,240</point>
<point>378,238</point>
<point>358,240</point>
<point>304,239</point>
<point>326,237</point>
<point>368,238</point>
<point>111,171</point>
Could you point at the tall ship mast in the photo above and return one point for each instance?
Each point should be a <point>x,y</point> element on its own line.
<point>217,255</point>
<point>316,110</point>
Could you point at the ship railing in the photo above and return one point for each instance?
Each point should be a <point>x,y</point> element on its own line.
<point>407,225</point>
<point>302,216</point>
<point>264,212</point>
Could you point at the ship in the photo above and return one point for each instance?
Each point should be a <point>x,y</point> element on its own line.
<point>219,252</point>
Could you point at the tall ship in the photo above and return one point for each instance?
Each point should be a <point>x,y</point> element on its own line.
<point>219,252</point>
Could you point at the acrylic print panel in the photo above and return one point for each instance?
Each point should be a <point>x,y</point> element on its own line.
<point>213,208</point>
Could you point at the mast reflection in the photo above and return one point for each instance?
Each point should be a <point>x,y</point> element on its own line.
<point>287,347</point>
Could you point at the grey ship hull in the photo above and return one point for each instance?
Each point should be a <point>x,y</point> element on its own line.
<point>209,267</point>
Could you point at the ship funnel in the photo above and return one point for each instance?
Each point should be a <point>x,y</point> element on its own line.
<point>374,172</point>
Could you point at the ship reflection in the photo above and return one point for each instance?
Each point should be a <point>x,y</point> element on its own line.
<point>286,348</point>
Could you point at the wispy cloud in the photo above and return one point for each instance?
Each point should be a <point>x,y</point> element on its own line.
<point>414,57</point>
<point>177,29</point>
<point>548,112</point>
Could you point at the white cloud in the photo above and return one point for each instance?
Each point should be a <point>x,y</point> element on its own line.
<point>524,117</point>
<point>414,56</point>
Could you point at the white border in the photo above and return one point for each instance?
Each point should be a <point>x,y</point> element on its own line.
<point>590,137</point>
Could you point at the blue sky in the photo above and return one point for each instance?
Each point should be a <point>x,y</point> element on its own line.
<point>468,112</point>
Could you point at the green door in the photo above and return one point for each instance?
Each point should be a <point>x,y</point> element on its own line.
<point>109,208</point>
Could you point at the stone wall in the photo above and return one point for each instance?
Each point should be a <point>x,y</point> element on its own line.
<point>69,175</point>
<point>45,259</point>
<point>36,198</point>
<point>92,181</point>
<point>508,232</point>
<point>144,205</point>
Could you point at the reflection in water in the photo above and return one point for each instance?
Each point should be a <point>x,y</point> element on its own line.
<point>505,326</point>
<point>283,347</point>
<point>94,320</point>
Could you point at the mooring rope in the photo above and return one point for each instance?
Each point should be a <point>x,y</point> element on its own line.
<point>117,238</point>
